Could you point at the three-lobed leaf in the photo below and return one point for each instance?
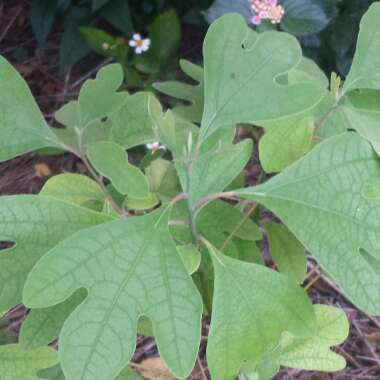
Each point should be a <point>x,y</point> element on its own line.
<point>130,268</point>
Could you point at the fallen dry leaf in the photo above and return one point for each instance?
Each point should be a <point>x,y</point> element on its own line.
<point>42,170</point>
<point>155,369</point>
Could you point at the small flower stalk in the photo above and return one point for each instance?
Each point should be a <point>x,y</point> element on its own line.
<point>266,10</point>
<point>141,45</point>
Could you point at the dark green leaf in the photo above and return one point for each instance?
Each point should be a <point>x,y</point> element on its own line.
<point>165,35</point>
<point>304,17</point>
<point>73,48</point>
<point>97,4</point>
<point>117,13</point>
<point>42,16</point>
<point>221,7</point>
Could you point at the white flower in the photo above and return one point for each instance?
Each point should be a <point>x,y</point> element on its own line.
<point>155,146</point>
<point>140,44</point>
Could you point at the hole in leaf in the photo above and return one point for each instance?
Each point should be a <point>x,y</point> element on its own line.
<point>104,119</point>
<point>6,244</point>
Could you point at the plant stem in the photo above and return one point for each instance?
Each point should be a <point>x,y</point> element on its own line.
<point>237,227</point>
<point>189,176</point>
<point>204,201</point>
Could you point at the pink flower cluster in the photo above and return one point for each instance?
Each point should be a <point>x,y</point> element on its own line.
<point>266,10</point>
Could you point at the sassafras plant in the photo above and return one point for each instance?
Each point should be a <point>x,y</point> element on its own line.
<point>152,248</point>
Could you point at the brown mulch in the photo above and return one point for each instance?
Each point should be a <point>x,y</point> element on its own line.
<point>27,174</point>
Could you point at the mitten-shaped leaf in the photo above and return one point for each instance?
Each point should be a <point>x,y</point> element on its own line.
<point>130,268</point>
<point>244,87</point>
<point>98,97</point>
<point>87,119</point>
<point>331,201</point>
<point>22,125</point>
<point>365,69</point>
<point>111,160</point>
<point>35,224</point>
<point>17,363</point>
<point>252,307</point>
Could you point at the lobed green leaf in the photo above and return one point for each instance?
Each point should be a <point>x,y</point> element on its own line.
<point>22,126</point>
<point>35,224</point>
<point>244,88</point>
<point>130,268</point>
<point>330,201</point>
<point>245,323</point>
